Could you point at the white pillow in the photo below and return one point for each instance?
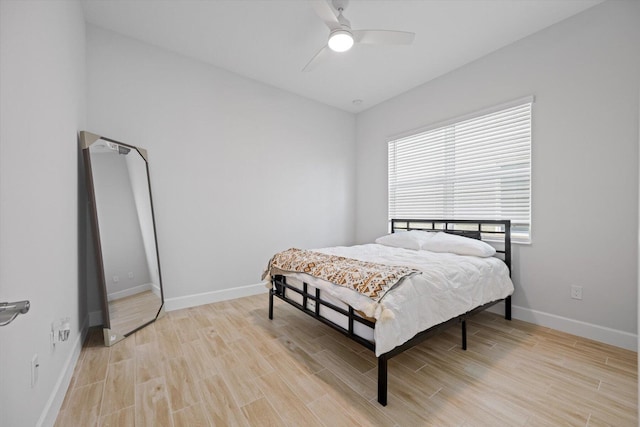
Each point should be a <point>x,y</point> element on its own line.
<point>445,242</point>
<point>412,239</point>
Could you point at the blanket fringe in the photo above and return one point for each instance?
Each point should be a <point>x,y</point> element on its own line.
<point>379,312</point>
<point>387,315</point>
<point>370,310</point>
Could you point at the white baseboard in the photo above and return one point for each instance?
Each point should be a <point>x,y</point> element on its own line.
<point>603,334</point>
<point>130,291</point>
<point>170,304</point>
<point>155,289</point>
<point>54,403</point>
<point>177,303</point>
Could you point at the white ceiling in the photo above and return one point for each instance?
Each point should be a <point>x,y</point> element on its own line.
<point>272,40</point>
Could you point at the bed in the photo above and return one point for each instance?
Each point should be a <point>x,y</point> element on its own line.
<point>435,289</point>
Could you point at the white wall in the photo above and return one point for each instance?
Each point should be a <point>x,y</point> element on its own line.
<point>585,75</point>
<point>42,61</point>
<point>239,169</point>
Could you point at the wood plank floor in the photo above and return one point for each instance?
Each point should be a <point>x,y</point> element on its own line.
<point>226,364</point>
<point>127,314</point>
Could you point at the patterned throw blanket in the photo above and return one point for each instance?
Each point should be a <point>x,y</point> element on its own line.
<point>368,278</point>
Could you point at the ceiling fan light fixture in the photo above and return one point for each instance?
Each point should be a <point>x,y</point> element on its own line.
<point>340,41</point>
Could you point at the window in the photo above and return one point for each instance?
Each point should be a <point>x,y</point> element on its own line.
<point>478,167</point>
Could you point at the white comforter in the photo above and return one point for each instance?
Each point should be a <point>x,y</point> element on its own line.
<point>449,285</point>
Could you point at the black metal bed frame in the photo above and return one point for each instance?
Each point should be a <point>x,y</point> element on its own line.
<point>496,231</point>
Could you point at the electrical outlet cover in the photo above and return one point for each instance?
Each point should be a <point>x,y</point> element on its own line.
<point>34,370</point>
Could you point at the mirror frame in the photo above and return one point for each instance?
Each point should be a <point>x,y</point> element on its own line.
<point>111,337</point>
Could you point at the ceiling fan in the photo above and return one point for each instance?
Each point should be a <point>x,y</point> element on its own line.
<point>342,37</point>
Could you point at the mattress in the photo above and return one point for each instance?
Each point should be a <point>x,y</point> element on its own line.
<point>448,285</point>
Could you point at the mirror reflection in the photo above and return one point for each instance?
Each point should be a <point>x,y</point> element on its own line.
<point>124,231</point>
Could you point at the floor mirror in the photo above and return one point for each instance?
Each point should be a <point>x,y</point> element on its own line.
<point>124,233</point>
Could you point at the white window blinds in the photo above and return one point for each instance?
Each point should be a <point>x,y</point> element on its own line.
<point>476,168</point>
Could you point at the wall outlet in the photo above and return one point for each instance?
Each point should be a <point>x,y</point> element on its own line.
<point>576,292</point>
<point>60,330</point>
<point>116,279</point>
<point>34,370</point>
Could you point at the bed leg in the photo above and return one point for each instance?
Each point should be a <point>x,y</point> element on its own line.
<point>271,304</point>
<point>507,308</point>
<point>382,380</point>
<point>464,334</point>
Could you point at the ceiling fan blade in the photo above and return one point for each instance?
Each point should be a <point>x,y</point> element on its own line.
<point>317,58</point>
<point>325,12</point>
<point>383,37</point>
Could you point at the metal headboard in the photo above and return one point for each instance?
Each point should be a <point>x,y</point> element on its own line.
<point>495,232</point>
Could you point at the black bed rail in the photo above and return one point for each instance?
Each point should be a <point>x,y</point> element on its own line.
<point>489,230</point>
<point>279,288</point>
